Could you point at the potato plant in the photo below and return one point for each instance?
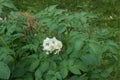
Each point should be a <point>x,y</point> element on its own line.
<point>86,53</point>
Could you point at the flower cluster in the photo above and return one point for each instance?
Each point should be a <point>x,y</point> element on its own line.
<point>52,45</point>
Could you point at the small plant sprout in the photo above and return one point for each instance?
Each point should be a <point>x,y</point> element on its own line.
<point>52,45</point>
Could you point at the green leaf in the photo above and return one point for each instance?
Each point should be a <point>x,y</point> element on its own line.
<point>45,20</point>
<point>90,59</point>
<point>58,12</point>
<point>58,75</point>
<point>64,72</point>
<point>106,72</point>
<point>61,29</point>
<point>52,26</point>
<point>44,66</point>
<point>30,47</point>
<point>83,77</point>
<point>1,10</point>
<point>38,74</point>
<point>95,53</point>
<point>50,77</point>
<point>64,63</point>
<point>4,71</point>
<point>34,65</point>
<point>19,71</point>
<point>70,62</point>
<point>69,50</point>
<point>78,45</point>
<point>9,4</point>
<point>81,65</point>
<point>95,47</point>
<point>51,8</point>
<point>112,46</point>
<point>74,69</point>
<point>54,78</point>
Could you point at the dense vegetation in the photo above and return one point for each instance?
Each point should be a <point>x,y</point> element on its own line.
<point>88,31</point>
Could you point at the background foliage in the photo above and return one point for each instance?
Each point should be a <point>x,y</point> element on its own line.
<point>88,29</point>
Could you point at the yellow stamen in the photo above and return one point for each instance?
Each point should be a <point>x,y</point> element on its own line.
<point>53,41</point>
<point>52,47</point>
<point>59,45</point>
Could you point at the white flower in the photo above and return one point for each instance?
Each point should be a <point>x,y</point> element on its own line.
<point>52,44</point>
<point>46,44</point>
<point>57,43</point>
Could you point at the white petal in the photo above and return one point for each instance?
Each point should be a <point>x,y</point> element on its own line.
<point>58,45</point>
<point>1,18</point>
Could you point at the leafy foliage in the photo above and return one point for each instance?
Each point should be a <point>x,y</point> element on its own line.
<point>87,54</point>
<point>6,3</point>
<point>4,70</point>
